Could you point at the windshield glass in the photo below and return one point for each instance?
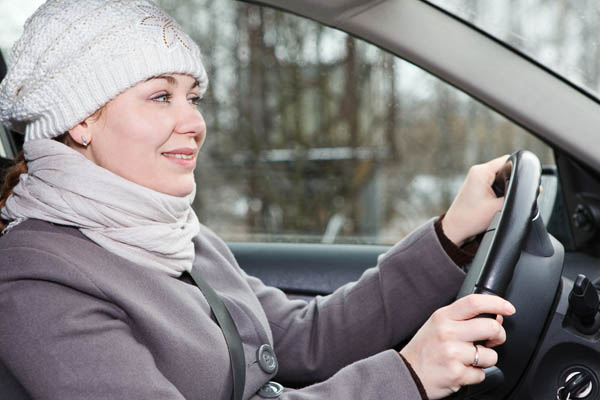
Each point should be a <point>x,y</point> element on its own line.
<point>12,16</point>
<point>316,136</point>
<point>562,35</point>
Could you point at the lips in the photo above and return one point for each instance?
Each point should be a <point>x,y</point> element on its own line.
<point>183,156</point>
<point>180,156</point>
<point>185,151</point>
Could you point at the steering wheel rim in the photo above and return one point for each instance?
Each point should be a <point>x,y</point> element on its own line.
<point>493,265</point>
<point>516,243</point>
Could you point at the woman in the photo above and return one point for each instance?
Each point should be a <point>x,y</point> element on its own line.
<point>95,288</point>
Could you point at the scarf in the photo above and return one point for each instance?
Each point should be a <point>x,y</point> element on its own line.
<point>142,225</point>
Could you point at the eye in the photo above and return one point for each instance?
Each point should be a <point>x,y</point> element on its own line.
<point>162,98</point>
<point>195,100</point>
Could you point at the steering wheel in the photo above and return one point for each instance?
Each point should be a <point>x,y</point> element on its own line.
<point>517,260</point>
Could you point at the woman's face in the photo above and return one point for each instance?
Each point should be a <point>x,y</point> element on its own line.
<point>150,134</point>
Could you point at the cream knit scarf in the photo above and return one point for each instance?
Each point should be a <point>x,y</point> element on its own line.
<point>146,227</point>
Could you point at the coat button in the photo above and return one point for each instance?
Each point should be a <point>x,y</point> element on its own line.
<point>267,359</point>
<point>270,390</point>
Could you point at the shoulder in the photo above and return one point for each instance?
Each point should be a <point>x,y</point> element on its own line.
<point>34,233</point>
<point>37,250</point>
<point>33,238</point>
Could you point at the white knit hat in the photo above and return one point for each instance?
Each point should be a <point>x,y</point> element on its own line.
<point>76,55</point>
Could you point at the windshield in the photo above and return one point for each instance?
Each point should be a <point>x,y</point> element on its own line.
<point>562,35</point>
<point>316,136</point>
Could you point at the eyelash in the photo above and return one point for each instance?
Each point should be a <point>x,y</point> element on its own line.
<point>193,100</point>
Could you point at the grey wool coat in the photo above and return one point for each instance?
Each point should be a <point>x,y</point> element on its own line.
<point>77,322</point>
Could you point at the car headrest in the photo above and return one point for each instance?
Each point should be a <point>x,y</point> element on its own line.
<point>2,67</point>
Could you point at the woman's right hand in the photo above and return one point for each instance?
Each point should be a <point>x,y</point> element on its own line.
<point>442,352</point>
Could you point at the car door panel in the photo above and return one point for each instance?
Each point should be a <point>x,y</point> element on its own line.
<point>306,269</point>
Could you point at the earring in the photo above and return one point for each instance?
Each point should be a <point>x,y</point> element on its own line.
<point>84,141</point>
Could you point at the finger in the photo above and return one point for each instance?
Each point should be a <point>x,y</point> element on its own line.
<point>497,163</point>
<point>475,304</point>
<point>492,168</point>
<point>485,357</point>
<point>500,339</point>
<point>479,329</point>
<point>472,376</point>
<point>473,356</point>
<point>496,203</point>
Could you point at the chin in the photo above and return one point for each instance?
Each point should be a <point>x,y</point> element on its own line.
<point>181,190</point>
<point>178,186</point>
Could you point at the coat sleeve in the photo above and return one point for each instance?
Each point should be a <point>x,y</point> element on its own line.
<point>69,342</point>
<point>345,337</point>
<point>381,376</point>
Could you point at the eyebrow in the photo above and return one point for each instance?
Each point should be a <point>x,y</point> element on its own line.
<point>172,81</point>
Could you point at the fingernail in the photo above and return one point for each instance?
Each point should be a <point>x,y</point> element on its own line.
<point>510,308</point>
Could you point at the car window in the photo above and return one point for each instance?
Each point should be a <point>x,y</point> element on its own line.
<point>562,35</point>
<point>12,16</point>
<point>3,142</point>
<point>315,136</point>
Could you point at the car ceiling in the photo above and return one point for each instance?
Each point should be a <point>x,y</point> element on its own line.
<point>535,98</point>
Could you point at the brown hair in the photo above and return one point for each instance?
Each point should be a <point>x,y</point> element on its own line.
<point>11,178</point>
<point>12,174</point>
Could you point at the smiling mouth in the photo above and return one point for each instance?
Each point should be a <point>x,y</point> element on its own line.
<point>180,156</point>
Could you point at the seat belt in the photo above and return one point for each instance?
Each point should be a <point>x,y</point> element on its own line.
<point>232,336</point>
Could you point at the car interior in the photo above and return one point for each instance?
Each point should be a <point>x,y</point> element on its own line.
<point>566,117</point>
<point>540,253</point>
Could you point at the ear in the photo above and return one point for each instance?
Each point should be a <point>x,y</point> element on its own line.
<point>81,133</point>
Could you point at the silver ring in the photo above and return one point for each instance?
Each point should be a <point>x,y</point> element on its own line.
<point>476,360</point>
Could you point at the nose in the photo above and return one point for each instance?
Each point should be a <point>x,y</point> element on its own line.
<point>190,122</point>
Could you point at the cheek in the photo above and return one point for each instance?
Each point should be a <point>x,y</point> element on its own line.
<point>129,145</point>
<point>141,130</point>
